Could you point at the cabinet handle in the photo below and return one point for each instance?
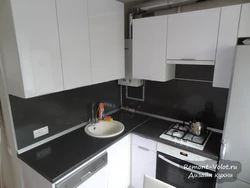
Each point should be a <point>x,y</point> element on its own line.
<point>85,176</point>
<point>143,148</point>
<point>186,59</point>
<point>181,167</point>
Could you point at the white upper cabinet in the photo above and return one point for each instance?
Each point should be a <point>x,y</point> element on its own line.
<point>54,45</point>
<point>92,41</point>
<point>106,25</point>
<point>149,49</point>
<point>244,29</point>
<point>192,37</point>
<point>36,69</point>
<point>228,30</point>
<point>74,39</point>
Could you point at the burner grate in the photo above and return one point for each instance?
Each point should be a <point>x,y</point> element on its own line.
<point>181,131</point>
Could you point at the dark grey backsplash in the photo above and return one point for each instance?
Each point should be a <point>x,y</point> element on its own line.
<point>59,111</point>
<point>175,99</point>
<point>181,99</point>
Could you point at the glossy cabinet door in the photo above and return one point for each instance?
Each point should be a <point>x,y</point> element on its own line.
<point>227,40</point>
<point>106,26</point>
<point>149,49</point>
<point>143,160</point>
<point>74,39</point>
<point>244,29</point>
<point>193,35</point>
<point>237,117</point>
<point>36,30</point>
<point>119,164</point>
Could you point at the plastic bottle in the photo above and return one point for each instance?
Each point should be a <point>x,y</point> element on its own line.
<point>101,111</point>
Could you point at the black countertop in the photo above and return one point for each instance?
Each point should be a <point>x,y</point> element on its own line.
<point>58,157</point>
<point>153,128</point>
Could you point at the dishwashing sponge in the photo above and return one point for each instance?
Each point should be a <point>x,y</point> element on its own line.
<point>108,118</point>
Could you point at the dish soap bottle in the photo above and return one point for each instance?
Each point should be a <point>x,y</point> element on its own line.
<point>101,111</point>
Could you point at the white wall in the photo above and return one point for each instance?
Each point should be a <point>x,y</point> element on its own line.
<point>10,168</point>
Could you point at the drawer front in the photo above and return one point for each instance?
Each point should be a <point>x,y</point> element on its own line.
<point>144,142</point>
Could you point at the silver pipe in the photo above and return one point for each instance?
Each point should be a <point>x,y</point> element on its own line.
<point>130,25</point>
<point>163,4</point>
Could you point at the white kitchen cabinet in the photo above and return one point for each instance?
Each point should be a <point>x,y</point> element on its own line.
<point>30,48</point>
<point>244,29</point>
<point>227,40</point>
<point>192,37</point>
<point>106,26</point>
<point>149,49</point>
<point>119,164</point>
<point>143,160</point>
<point>74,39</point>
<point>31,178</point>
<point>54,45</point>
<point>92,174</point>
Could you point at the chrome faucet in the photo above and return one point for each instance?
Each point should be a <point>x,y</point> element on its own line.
<point>93,119</point>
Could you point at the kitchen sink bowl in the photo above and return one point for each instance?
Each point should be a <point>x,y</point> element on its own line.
<point>104,129</point>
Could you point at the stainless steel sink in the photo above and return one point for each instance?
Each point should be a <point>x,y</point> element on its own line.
<point>104,129</point>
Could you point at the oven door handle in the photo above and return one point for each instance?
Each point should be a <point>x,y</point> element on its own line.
<point>181,167</point>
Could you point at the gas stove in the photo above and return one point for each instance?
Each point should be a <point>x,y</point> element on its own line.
<point>179,133</point>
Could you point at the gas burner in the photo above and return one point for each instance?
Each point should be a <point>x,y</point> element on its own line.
<point>179,133</point>
<point>175,133</point>
<point>193,138</point>
<point>181,127</point>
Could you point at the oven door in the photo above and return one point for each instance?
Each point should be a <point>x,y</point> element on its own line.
<point>171,170</point>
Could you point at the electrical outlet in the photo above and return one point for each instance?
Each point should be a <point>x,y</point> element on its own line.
<point>40,132</point>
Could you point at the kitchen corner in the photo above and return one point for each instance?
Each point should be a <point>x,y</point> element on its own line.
<point>68,152</point>
<point>153,128</point>
<point>125,93</point>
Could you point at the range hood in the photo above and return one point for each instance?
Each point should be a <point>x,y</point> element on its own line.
<point>189,62</point>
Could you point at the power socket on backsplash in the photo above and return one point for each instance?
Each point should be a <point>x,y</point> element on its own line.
<point>40,132</point>
<point>109,105</point>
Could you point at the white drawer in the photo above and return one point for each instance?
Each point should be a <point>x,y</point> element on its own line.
<point>144,142</point>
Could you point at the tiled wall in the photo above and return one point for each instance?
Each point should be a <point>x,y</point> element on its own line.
<point>59,111</point>
<point>177,99</point>
<point>181,99</point>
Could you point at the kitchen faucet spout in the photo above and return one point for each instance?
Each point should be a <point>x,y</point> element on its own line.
<point>93,119</point>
